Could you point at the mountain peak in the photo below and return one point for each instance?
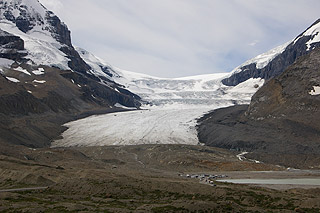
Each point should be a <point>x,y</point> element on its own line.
<point>38,53</point>
<point>313,32</point>
<point>46,38</point>
<point>26,14</point>
<point>31,16</point>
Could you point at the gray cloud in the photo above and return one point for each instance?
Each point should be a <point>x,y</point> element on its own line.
<point>171,38</point>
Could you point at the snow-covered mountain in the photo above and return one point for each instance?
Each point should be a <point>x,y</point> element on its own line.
<point>42,39</point>
<point>186,92</point>
<point>236,87</point>
<point>275,61</point>
<point>47,40</point>
<point>32,36</point>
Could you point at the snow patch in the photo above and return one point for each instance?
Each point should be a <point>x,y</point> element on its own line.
<point>315,90</point>
<point>124,107</point>
<point>249,86</point>
<point>14,80</point>
<point>241,156</point>
<point>20,69</point>
<point>40,71</point>
<point>39,82</point>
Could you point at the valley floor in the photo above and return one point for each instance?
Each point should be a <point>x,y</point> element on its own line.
<point>141,178</point>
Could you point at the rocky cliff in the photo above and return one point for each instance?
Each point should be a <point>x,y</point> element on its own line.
<point>11,46</point>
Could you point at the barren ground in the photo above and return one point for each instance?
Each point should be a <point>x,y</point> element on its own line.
<point>142,178</point>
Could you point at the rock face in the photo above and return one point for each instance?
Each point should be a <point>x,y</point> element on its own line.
<point>281,125</point>
<point>33,110</point>
<point>274,62</point>
<point>11,46</point>
<point>291,95</point>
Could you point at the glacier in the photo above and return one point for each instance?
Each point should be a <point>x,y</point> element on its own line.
<point>169,113</point>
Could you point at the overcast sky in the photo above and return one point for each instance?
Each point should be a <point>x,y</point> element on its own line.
<point>175,38</point>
